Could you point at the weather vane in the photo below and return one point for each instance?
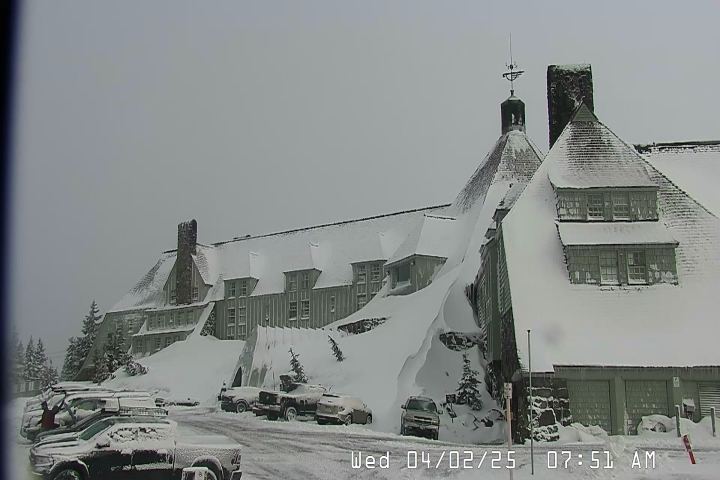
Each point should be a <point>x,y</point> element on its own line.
<point>513,74</point>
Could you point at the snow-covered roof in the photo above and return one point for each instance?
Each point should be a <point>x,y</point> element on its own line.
<point>514,157</point>
<point>589,155</point>
<point>430,238</point>
<point>692,166</point>
<point>148,292</point>
<point>331,249</point>
<point>614,233</point>
<point>622,326</point>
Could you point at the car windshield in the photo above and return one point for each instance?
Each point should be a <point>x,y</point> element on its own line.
<point>424,405</point>
<point>86,422</point>
<point>95,429</point>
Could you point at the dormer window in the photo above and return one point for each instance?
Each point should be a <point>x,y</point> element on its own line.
<point>305,280</point>
<point>621,206</point>
<point>173,296</point>
<point>230,289</point>
<point>243,288</point>
<point>292,283</point>
<point>375,273</point>
<point>195,294</point>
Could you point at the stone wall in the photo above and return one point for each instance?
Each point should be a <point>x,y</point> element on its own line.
<point>187,247</point>
<point>567,87</point>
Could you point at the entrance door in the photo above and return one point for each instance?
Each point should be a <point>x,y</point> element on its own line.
<point>709,397</point>
<point>643,398</point>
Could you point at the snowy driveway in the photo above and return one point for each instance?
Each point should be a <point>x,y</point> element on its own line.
<point>304,450</point>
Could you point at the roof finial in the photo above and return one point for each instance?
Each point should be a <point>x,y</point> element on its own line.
<point>513,74</point>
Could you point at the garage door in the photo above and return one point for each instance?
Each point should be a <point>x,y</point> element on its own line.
<point>642,398</point>
<point>709,397</point>
<point>590,402</point>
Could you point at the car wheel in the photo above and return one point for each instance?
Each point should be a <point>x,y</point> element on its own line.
<point>214,473</point>
<point>68,474</point>
<point>272,416</point>
<point>321,421</point>
<point>241,407</point>
<point>348,420</point>
<point>290,414</point>
<point>368,420</point>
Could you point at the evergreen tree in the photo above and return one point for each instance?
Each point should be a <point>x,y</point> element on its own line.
<point>468,392</point>
<point>297,368</point>
<point>101,371</point>
<point>32,368</point>
<point>49,375</point>
<point>18,357</point>
<point>336,349</point>
<point>73,361</point>
<point>90,328</point>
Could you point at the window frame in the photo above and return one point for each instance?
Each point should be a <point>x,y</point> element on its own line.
<point>606,251</point>
<point>230,331</point>
<point>231,289</point>
<point>195,294</point>
<point>243,288</point>
<point>306,280</point>
<point>332,304</point>
<point>624,196</point>
<point>362,301</point>
<point>242,315</point>
<point>591,206</point>
<point>231,315</point>
<point>361,274</point>
<point>397,273</point>
<point>305,312</point>
<point>292,282</point>
<point>373,277</point>
<point>641,266</point>
<point>294,304</point>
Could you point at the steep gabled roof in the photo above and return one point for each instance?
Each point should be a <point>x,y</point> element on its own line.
<point>514,158</point>
<point>692,166</point>
<point>589,155</point>
<point>148,292</point>
<point>596,325</point>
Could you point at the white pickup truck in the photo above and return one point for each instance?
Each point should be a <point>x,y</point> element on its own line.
<point>134,448</point>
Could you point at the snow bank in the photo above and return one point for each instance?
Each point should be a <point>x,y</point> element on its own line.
<point>195,368</point>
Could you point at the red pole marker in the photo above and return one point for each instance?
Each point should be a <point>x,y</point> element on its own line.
<point>688,447</point>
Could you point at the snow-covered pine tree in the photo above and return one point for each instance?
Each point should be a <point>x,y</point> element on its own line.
<point>90,328</point>
<point>49,375</point>
<point>297,368</point>
<point>41,361</point>
<point>336,349</point>
<point>209,327</point>
<point>468,392</point>
<point>32,366</point>
<point>18,357</point>
<point>101,371</point>
<point>73,361</point>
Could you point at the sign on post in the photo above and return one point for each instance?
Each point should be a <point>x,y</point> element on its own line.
<point>508,390</point>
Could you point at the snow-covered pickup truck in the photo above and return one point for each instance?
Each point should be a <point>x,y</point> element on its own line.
<point>134,448</point>
<point>300,399</point>
<point>239,399</point>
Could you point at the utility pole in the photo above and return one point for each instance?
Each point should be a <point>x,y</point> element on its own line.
<point>532,424</point>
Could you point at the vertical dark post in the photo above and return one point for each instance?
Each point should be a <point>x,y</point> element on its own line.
<point>567,87</point>
<point>532,425</point>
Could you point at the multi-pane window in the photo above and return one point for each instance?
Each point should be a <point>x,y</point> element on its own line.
<point>374,288</point>
<point>231,316</point>
<point>230,287</point>
<point>242,315</point>
<point>305,280</point>
<point>293,310</point>
<point>608,267</point>
<point>595,208</point>
<point>230,333</point>
<point>168,340</point>
<point>195,294</point>
<point>305,308</point>
<point>243,288</point>
<point>292,281</point>
<point>621,207</point>
<point>171,324</point>
<point>375,273</point>
<point>173,296</point>
<point>361,289</point>
<point>158,345</point>
<point>571,206</point>
<point>181,319</point>
<point>241,331</point>
<point>636,267</point>
<point>332,304</point>
<point>161,321</point>
<point>139,346</point>
<point>361,274</point>
<point>147,346</point>
<point>361,302</point>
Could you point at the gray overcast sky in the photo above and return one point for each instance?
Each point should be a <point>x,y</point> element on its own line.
<point>254,117</point>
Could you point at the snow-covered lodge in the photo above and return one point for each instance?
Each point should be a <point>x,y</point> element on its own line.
<point>609,253</point>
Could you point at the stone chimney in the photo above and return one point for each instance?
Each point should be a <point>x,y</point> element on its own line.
<point>186,247</point>
<point>567,87</point>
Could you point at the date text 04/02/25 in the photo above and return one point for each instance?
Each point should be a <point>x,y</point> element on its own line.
<point>452,459</point>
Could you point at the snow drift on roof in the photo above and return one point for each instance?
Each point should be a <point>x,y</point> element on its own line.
<point>593,325</point>
<point>590,155</point>
<point>614,233</point>
<point>432,238</point>
<point>693,167</point>
<point>148,292</point>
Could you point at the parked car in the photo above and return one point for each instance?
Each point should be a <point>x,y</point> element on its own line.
<point>75,407</point>
<point>420,417</point>
<point>134,447</point>
<point>338,408</point>
<point>299,399</point>
<point>239,399</point>
<point>63,388</point>
<point>112,406</point>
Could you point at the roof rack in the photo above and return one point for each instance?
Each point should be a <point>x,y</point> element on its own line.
<point>145,411</point>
